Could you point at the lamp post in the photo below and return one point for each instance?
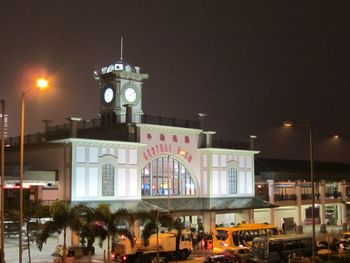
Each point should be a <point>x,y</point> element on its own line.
<point>41,84</point>
<point>311,152</point>
<point>2,204</point>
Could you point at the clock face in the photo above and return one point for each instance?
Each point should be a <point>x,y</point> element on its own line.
<point>108,95</point>
<point>130,95</point>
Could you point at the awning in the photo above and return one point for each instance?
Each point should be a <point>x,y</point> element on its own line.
<point>131,205</point>
<point>184,204</point>
<point>210,204</point>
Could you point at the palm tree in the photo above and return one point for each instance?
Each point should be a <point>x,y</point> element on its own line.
<point>179,226</point>
<point>106,225</point>
<point>103,225</point>
<point>62,219</point>
<point>83,216</point>
<point>151,221</point>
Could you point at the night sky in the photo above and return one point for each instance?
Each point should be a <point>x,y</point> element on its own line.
<point>248,64</point>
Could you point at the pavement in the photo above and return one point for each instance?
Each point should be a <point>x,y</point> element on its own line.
<point>44,256</point>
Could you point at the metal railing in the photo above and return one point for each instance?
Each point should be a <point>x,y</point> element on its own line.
<point>285,197</point>
<point>95,129</point>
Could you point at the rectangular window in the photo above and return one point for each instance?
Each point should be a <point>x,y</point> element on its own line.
<point>93,155</point>
<point>133,182</point>
<point>223,160</point>
<point>80,182</point>
<point>132,157</point>
<point>107,180</point>
<point>249,162</point>
<point>241,180</point>
<point>93,181</point>
<point>121,182</point>
<point>103,151</point>
<point>121,156</point>
<point>250,183</point>
<point>146,181</point>
<point>223,182</point>
<point>232,181</point>
<point>205,182</point>
<point>241,161</point>
<point>215,182</point>
<point>205,160</point>
<point>80,154</point>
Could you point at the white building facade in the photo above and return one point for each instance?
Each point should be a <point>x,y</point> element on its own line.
<point>166,166</point>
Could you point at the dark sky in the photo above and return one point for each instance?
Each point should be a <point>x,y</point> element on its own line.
<point>248,64</point>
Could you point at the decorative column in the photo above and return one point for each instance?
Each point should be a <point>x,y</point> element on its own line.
<point>251,216</point>
<point>322,189</point>
<point>271,200</point>
<point>208,221</point>
<point>298,219</point>
<point>201,117</point>
<point>73,126</point>
<point>208,138</point>
<point>212,221</point>
<point>136,229</point>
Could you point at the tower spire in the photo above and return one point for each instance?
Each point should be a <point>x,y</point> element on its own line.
<point>121,48</point>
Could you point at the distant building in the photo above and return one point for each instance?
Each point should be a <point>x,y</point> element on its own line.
<point>286,183</point>
<point>5,126</point>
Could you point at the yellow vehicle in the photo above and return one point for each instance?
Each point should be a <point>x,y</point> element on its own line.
<point>165,245</point>
<point>229,238</point>
<point>346,235</point>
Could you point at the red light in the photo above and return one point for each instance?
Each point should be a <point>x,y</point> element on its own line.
<point>124,257</point>
<point>10,186</point>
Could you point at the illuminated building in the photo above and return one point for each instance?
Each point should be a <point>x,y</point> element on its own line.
<point>130,159</point>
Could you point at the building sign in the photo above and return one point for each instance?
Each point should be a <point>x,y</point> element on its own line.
<point>164,148</point>
<point>166,144</point>
<point>162,138</point>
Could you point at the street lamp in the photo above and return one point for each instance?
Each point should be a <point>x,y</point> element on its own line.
<point>311,146</point>
<point>41,84</point>
<point>2,204</point>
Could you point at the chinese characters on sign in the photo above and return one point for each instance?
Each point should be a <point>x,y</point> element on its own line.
<point>174,138</point>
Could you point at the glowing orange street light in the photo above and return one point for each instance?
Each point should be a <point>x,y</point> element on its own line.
<point>41,83</point>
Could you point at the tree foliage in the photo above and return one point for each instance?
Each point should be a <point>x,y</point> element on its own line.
<point>82,218</point>
<point>151,222</point>
<point>62,218</point>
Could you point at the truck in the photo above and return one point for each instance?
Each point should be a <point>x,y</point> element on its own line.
<point>166,248</point>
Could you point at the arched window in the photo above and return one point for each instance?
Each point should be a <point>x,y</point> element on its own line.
<point>166,176</point>
<point>107,180</point>
<point>232,181</point>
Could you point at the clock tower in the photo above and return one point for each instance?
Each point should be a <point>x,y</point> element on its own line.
<point>120,88</point>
